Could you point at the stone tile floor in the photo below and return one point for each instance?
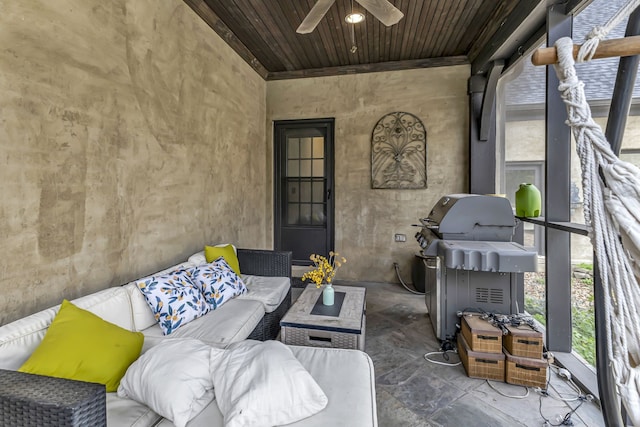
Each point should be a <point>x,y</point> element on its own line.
<point>412,392</point>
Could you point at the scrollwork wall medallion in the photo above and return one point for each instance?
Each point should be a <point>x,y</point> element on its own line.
<point>399,152</point>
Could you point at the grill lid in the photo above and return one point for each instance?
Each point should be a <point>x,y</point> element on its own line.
<point>471,217</point>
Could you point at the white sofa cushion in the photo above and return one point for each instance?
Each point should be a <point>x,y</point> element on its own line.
<point>263,384</point>
<point>209,417</point>
<point>127,412</point>
<point>232,322</point>
<point>142,314</point>
<point>20,338</point>
<point>270,291</point>
<point>198,258</point>
<point>111,304</point>
<point>345,376</point>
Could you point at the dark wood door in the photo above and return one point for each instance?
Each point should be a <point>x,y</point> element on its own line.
<point>304,215</point>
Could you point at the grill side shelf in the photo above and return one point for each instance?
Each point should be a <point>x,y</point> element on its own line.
<point>504,257</point>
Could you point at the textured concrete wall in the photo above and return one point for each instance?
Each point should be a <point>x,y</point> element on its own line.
<point>367,219</point>
<point>131,135</point>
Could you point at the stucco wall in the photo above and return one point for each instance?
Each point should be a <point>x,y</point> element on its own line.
<point>366,219</point>
<point>131,135</point>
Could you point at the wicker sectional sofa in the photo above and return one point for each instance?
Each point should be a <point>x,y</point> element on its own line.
<point>346,376</point>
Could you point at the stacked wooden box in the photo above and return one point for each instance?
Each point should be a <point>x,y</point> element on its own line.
<point>515,358</point>
<point>523,350</point>
<point>480,348</point>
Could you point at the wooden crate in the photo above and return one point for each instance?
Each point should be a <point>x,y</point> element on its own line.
<point>523,341</point>
<point>481,335</point>
<point>480,365</point>
<point>525,371</point>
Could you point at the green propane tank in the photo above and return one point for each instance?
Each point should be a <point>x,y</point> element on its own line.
<point>528,201</point>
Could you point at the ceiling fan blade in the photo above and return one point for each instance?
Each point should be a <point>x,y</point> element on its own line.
<point>387,13</point>
<point>314,16</point>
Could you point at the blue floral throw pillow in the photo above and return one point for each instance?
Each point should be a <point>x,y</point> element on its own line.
<point>218,282</point>
<point>174,299</point>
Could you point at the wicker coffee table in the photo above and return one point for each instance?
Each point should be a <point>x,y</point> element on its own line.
<point>310,323</point>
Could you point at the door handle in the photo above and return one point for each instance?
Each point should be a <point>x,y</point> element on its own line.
<point>329,194</point>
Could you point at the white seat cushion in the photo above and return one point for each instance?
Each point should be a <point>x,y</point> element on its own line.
<point>270,291</point>
<point>348,380</point>
<point>345,376</point>
<point>128,412</point>
<point>209,417</point>
<point>232,322</point>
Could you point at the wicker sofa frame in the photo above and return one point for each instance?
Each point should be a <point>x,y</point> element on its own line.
<point>262,262</point>
<point>36,400</point>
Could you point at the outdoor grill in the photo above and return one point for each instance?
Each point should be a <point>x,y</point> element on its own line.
<point>468,261</point>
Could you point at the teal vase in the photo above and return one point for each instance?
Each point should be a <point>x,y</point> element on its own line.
<point>327,294</point>
<point>528,201</point>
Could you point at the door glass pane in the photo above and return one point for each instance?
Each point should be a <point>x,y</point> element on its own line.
<point>318,167</point>
<point>293,148</point>
<point>305,214</point>
<point>305,191</point>
<point>318,147</point>
<point>293,191</point>
<point>318,191</point>
<point>305,168</point>
<point>293,168</point>
<point>293,217</point>
<point>305,148</point>
<point>318,214</point>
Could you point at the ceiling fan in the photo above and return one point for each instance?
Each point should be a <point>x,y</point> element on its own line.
<point>387,13</point>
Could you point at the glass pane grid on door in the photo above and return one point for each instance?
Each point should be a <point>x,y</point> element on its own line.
<point>305,181</point>
<point>305,204</point>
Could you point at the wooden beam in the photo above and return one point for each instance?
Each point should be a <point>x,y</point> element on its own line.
<point>627,46</point>
<point>370,68</point>
<point>503,25</point>
<point>209,16</point>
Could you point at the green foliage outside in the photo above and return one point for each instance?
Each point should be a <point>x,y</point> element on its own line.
<point>583,321</point>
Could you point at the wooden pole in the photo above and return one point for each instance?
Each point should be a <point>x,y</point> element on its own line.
<point>627,46</point>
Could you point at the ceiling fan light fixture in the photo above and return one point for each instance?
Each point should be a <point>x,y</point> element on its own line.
<point>354,17</point>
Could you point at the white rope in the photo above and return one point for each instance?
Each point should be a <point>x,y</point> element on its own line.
<point>588,48</point>
<point>601,204</point>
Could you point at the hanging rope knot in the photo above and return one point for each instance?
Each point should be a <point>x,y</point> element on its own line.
<point>587,50</point>
<point>598,32</point>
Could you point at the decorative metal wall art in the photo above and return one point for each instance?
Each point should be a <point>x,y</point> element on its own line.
<point>399,152</point>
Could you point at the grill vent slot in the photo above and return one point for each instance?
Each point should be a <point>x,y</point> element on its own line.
<point>489,296</point>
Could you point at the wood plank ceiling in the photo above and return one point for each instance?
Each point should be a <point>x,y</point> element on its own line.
<point>432,33</point>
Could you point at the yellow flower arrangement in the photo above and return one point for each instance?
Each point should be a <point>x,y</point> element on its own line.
<point>325,269</point>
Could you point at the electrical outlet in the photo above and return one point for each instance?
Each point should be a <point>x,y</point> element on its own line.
<point>400,237</point>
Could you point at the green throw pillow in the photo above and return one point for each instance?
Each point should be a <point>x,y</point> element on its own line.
<point>81,346</point>
<point>212,253</point>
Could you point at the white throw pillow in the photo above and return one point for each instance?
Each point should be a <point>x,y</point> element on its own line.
<point>261,384</point>
<point>172,378</point>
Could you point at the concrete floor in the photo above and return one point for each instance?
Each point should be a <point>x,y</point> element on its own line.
<point>412,392</point>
